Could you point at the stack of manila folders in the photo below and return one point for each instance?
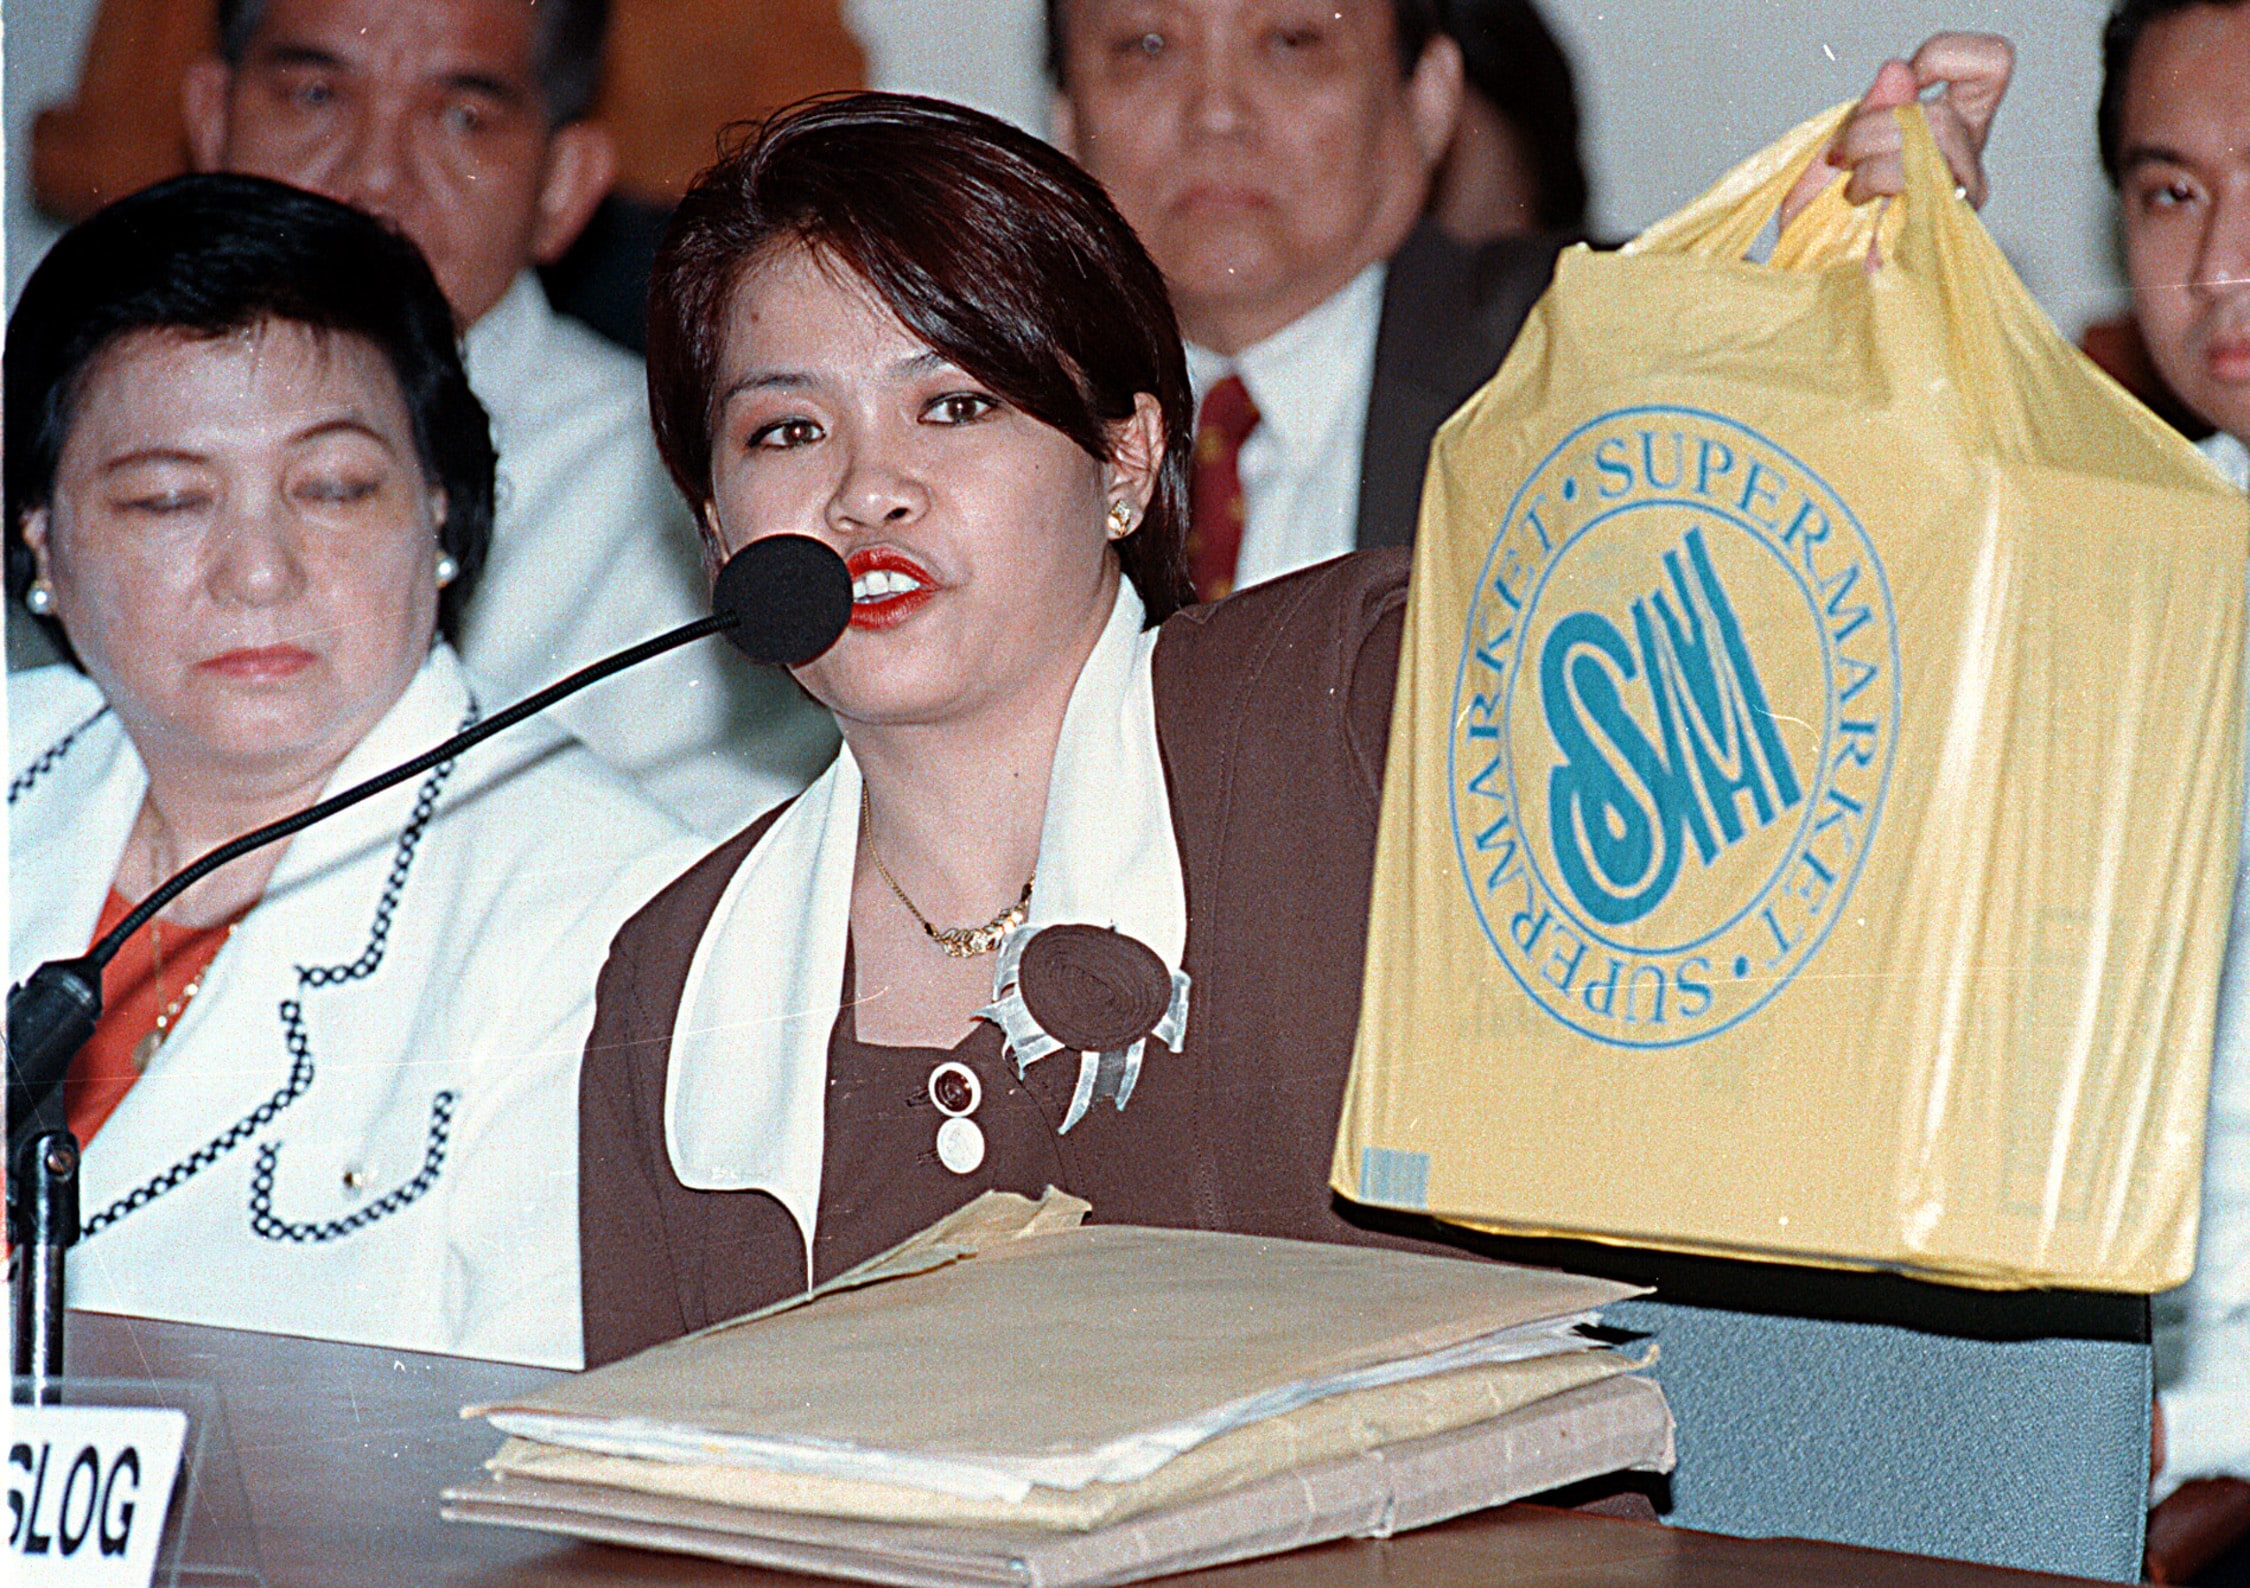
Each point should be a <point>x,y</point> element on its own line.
<point>1014,1397</point>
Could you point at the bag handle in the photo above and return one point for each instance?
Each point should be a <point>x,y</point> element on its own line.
<point>1832,231</point>
<point>1928,233</point>
<point>1726,221</point>
<point>1976,290</point>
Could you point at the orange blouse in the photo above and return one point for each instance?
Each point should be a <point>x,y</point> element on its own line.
<point>145,991</point>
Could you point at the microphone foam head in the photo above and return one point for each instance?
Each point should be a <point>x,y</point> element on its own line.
<point>790,596</point>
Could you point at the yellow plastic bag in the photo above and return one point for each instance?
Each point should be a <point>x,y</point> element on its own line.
<point>1811,817</point>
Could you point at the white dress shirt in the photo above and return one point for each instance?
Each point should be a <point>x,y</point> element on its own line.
<point>592,549</point>
<point>1310,381</point>
<point>364,1127</point>
<point>2203,1328</point>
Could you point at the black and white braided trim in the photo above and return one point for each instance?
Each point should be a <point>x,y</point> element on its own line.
<point>299,1045</point>
<point>264,1223</point>
<point>48,759</point>
<point>300,1077</point>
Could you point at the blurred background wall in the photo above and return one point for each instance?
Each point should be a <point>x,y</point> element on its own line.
<point>1674,90</point>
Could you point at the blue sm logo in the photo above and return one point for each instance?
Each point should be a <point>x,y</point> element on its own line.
<point>1672,724</point>
<point>1624,806</point>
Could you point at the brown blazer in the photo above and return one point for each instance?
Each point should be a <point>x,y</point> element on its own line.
<point>1273,716</point>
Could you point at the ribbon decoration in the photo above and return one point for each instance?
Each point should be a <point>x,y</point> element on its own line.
<point>1091,989</point>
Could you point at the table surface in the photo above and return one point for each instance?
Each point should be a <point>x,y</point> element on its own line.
<point>338,1453</point>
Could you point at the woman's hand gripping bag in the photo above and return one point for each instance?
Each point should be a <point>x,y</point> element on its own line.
<point>1811,816</point>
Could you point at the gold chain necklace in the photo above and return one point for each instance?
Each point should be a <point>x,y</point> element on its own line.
<point>958,942</point>
<point>144,1051</point>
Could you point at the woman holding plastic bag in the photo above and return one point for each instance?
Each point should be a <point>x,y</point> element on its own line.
<point>1818,708</point>
<point>1156,827</point>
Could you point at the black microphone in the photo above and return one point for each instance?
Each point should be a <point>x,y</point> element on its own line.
<point>782,600</point>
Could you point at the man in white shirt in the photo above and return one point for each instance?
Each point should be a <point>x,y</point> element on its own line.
<point>1275,156</point>
<point>2175,134</point>
<point>464,123</point>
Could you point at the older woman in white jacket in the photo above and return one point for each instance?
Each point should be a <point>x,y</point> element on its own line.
<point>332,1092</point>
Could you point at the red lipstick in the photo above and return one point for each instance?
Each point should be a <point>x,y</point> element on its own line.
<point>260,664</point>
<point>901,587</point>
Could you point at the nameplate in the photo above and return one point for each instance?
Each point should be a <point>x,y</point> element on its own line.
<point>88,1488</point>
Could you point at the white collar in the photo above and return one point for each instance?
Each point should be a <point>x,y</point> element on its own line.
<point>434,706</point>
<point>1293,375</point>
<point>2231,456</point>
<point>97,792</point>
<point>501,351</point>
<point>744,1099</point>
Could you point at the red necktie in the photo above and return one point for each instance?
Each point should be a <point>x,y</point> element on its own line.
<point>1215,505</point>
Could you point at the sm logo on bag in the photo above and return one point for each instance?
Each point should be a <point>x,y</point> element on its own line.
<point>1673,725</point>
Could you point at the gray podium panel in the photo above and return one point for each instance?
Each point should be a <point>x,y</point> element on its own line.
<point>2030,1453</point>
<point>2009,1428</point>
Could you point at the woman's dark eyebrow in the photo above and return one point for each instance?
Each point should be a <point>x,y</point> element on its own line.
<point>141,455</point>
<point>348,424</point>
<point>910,368</point>
<point>920,364</point>
<point>766,380</point>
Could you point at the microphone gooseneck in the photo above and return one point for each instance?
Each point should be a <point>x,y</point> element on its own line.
<point>782,600</point>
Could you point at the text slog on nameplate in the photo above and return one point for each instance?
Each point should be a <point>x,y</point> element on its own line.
<point>88,1490</point>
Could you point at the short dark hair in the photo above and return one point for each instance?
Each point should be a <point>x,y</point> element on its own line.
<point>1413,24</point>
<point>2121,35</point>
<point>567,49</point>
<point>988,244</point>
<point>213,254</point>
<point>1516,63</point>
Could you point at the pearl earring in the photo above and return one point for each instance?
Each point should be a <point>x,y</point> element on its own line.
<point>447,569</point>
<point>1121,520</point>
<point>39,599</point>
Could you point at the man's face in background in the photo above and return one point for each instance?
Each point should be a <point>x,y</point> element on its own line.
<point>2184,183</point>
<point>428,113</point>
<point>1265,150</point>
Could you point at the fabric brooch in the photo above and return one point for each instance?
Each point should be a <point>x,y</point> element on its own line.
<point>1092,989</point>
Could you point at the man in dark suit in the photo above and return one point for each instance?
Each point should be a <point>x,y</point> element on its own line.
<point>1450,314</point>
<point>1276,156</point>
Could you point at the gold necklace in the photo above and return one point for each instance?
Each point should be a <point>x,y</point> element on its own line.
<point>958,942</point>
<point>144,1051</point>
